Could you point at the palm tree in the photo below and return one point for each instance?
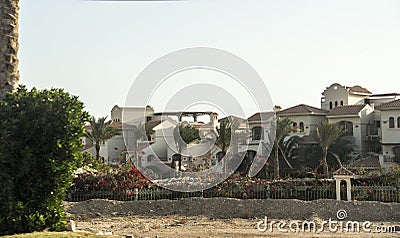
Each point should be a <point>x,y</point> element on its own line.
<point>184,133</point>
<point>100,132</point>
<point>9,74</point>
<point>327,134</point>
<point>283,127</point>
<point>225,134</point>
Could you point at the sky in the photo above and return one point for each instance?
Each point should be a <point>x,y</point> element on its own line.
<point>96,49</point>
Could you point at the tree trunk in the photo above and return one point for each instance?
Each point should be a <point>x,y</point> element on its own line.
<point>324,162</point>
<point>180,162</point>
<point>276,162</point>
<point>9,74</point>
<point>97,146</point>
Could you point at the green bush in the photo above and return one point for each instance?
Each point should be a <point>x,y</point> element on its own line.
<point>40,133</point>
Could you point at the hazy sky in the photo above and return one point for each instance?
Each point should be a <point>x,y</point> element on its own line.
<point>96,49</point>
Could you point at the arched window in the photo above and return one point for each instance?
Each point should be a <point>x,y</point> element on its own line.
<point>257,133</point>
<point>347,126</point>
<point>391,122</point>
<point>301,126</point>
<point>294,126</point>
<point>330,105</point>
<point>341,103</point>
<point>336,104</point>
<point>398,122</point>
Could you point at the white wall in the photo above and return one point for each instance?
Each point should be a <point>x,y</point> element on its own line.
<point>360,126</point>
<point>390,135</point>
<point>162,133</point>
<point>338,93</point>
<point>131,115</point>
<point>335,92</point>
<point>310,122</point>
<point>356,99</point>
<point>114,146</point>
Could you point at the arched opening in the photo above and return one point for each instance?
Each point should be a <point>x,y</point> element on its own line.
<point>301,126</point>
<point>150,158</point>
<point>347,126</point>
<point>336,104</point>
<point>341,103</point>
<point>257,133</point>
<point>343,190</point>
<point>294,127</point>
<point>330,105</point>
<point>396,152</point>
<point>391,122</point>
<point>398,122</point>
<point>177,162</point>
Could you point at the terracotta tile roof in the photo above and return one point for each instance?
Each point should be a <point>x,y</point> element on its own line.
<point>350,110</point>
<point>359,89</point>
<point>302,109</point>
<point>371,162</point>
<point>343,171</point>
<point>389,105</point>
<point>264,115</point>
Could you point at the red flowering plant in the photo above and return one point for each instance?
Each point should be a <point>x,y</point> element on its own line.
<point>117,183</point>
<point>378,187</point>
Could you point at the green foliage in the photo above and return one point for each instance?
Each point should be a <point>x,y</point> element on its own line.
<point>225,134</point>
<point>283,127</point>
<point>327,133</point>
<point>187,133</point>
<point>40,143</point>
<point>100,132</point>
<point>87,159</point>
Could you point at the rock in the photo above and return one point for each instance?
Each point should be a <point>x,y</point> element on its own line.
<point>71,226</point>
<point>104,233</point>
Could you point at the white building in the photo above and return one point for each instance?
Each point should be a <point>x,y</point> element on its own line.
<point>305,118</point>
<point>338,95</point>
<point>355,119</point>
<point>390,126</point>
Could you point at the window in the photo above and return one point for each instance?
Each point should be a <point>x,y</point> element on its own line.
<point>347,126</point>
<point>330,105</point>
<point>257,133</point>
<point>398,122</point>
<point>148,119</point>
<point>391,122</point>
<point>341,103</point>
<point>294,126</point>
<point>336,104</point>
<point>301,125</point>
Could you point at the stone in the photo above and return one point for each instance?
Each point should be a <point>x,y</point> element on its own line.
<point>71,226</point>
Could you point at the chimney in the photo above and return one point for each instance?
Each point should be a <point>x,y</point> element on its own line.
<point>277,108</point>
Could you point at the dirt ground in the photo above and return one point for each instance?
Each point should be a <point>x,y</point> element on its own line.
<point>221,217</point>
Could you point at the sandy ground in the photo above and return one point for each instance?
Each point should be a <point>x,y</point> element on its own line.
<point>220,217</point>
